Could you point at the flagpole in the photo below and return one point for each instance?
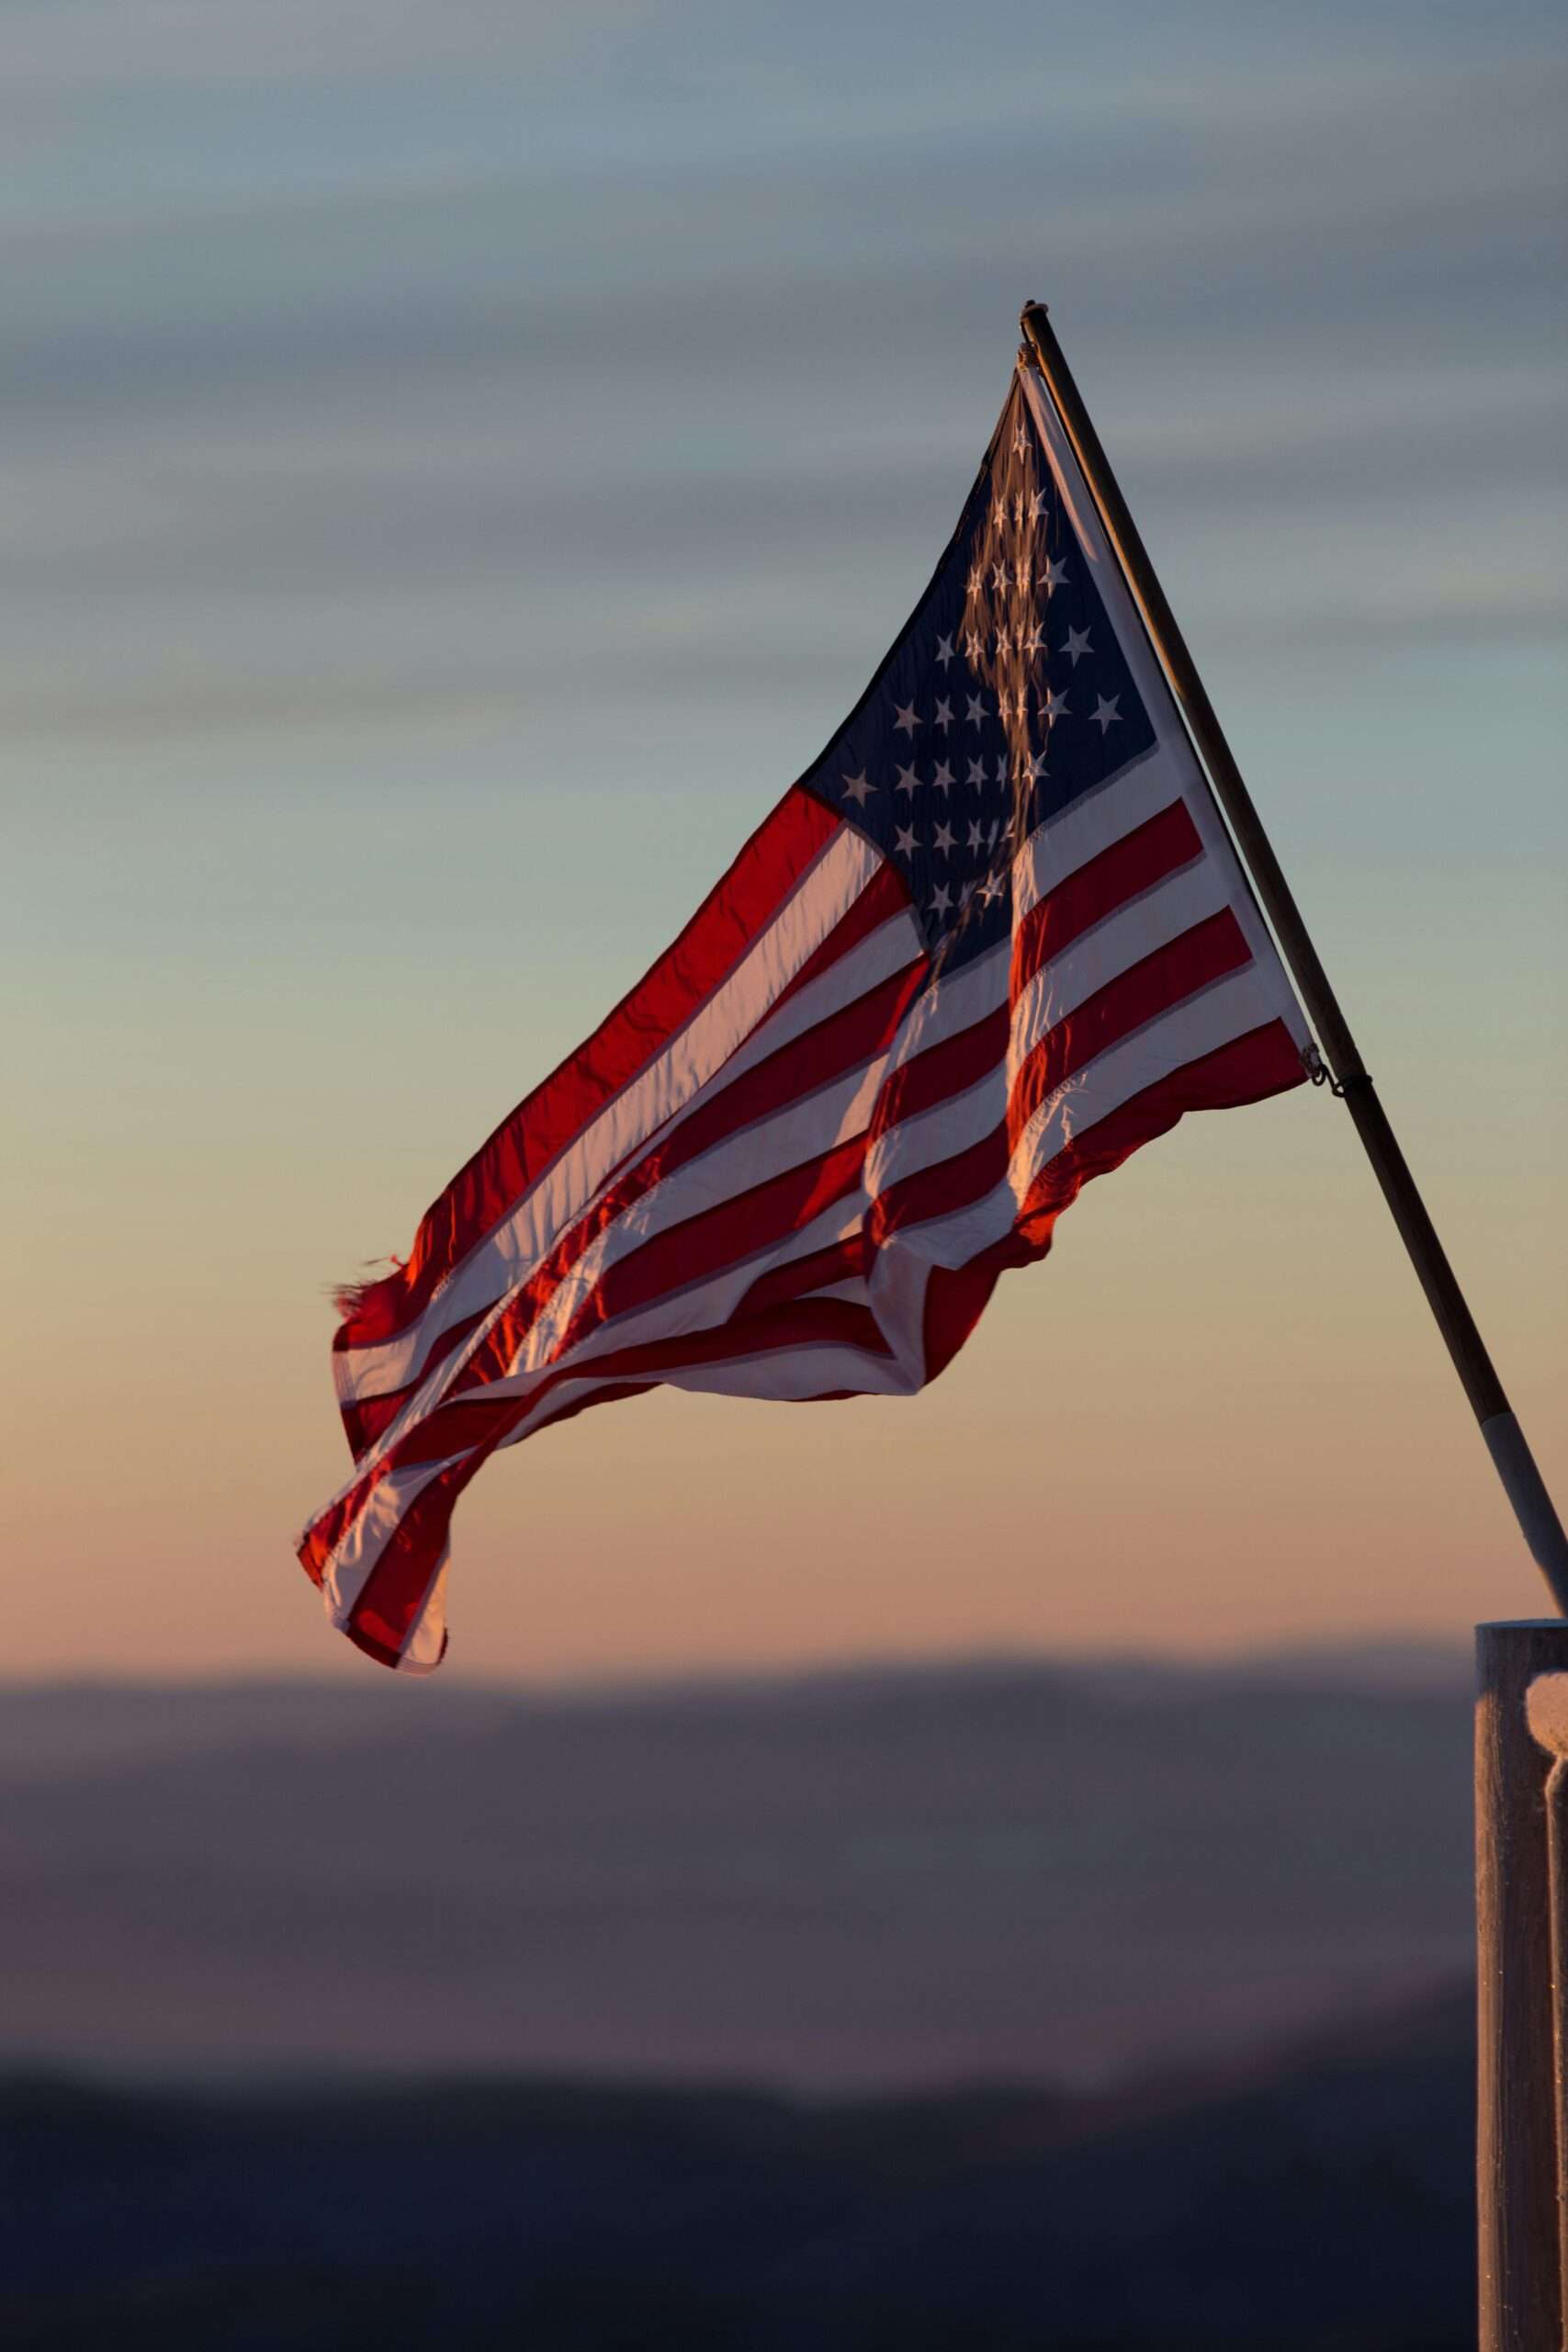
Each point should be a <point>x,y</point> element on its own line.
<point>1511,1456</point>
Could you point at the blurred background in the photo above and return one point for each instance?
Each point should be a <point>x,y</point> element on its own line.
<point>459,464</point>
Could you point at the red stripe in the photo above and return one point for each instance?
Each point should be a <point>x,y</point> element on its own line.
<point>928,1079</point>
<point>937,1191</point>
<point>719,934</point>
<point>1150,854</point>
<point>1138,995</point>
<point>798,1277</point>
<point>884,897</point>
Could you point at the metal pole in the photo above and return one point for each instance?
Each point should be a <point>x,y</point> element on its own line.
<point>1519,2180</point>
<point>1511,1456</point>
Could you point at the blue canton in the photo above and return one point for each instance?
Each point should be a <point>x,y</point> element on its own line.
<point>1006,697</point>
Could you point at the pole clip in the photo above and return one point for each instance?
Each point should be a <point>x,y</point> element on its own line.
<point>1317,1069</point>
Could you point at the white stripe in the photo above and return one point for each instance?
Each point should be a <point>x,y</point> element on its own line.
<point>892,947</point>
<point>798,1372</point>
<point>788,1373</point>
<point>422,1642</point>
<point>920,1141</point>
<point>852,1288</point>
<point>510,1252</point>
<point>1097,957</point>
<point>1096,821</point>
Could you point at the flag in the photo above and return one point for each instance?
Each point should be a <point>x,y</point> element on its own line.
<point>992,940</point>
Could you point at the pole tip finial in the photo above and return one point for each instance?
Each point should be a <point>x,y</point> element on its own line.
<point>1032,304</point>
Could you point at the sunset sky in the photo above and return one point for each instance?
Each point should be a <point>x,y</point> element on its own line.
<point>460,462</point>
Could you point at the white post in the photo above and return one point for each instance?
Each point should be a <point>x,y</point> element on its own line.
<point>1520,2185</point>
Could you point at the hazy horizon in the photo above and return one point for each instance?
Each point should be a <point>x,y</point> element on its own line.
<point>1393,1651</point>
<point>1057,1871</point>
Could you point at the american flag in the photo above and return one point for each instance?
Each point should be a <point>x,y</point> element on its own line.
<point>991,941</point>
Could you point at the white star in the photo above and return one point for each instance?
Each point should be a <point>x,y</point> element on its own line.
<point>856,788</point>
<point>1106,713</point>
<point>1055,706</point>
<point>905,840</point>
<point>942,778</point>
<point>977,835</point>
<point>942,838</point>
<point>942,899</point>
<point>975,713</point>
<point>1018,511</point>
<point>906,722</point>
<point>992,888</point>
<point>1033,644</point>
<point>908,781</point>
<point>974,644</point>
<point>944,711</point>
<point>978,772</point>
<point>1020,574</point>
<point>1001,771</point>
<point>966,895</point>
<point>1034,768</point>
<point>1036,505</point>
<point>1078,642</point>
<point>945,650</point>
<point>1021,441</point>
<point>1055,574</point>
<point>977,577</point>
<point>999,577</point>
<point>994,836</point>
